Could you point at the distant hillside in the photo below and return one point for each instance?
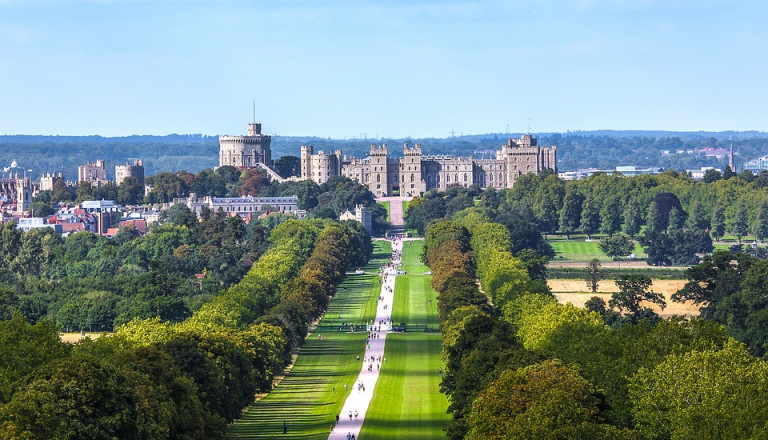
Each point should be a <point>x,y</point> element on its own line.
<point>604,149</point>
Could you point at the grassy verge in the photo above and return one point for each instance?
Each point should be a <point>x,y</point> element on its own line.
<point>386,206</point>
<point>415,301</point>
<point>306,399</point>
<point>407,403</point>
<point>578,249</point>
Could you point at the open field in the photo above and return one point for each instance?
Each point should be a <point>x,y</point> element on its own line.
<point>71,338</point>
<point>575,292</point>
<point>306,399</point>
<point>407,403</point>
<point>578,249</point>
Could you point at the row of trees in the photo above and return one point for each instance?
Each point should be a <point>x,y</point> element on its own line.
<point>528,367</point>
<point>154,379</point>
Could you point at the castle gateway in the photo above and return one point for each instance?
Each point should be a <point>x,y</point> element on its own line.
<point>414,173</point>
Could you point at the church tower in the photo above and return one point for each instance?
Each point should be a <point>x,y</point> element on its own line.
<point>23,194</point>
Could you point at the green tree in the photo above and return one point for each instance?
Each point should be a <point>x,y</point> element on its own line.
<point>654,219</point>
<point>287,166</point>
<point>633,217</point>
<point>590,216</point>
<point>718,222</point>
<point>702,394</point>
<point>82,398</point>
<point>610,215</point>
<point>570,215</point>
<point>633,290</point>
<point>699,218</point>
<point>180,215</point>
<point>84,191</point>
<point>41,209</point>
<point>545,400</point>
<point>618,245</point>
<point>130,192</point>
<point>761,223</point>
<point>594,273</point>
<point>739,222</point>
<point>676,220</point>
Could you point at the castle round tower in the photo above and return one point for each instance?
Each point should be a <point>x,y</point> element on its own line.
<point>246,151</point>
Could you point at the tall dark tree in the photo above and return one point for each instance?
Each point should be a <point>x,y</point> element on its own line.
<point>570,215</point>
<point>634,290</point>
<point>590,216</point>
<point>718,222</point>
<point>739,223</point>
<point>287,166</point>
<point>761,223</point>
<point>633,217</point>
<point>610,216</point>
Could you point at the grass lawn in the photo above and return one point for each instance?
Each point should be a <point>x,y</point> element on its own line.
<point>407,403</point>
<point>581,250</point>
<point>305,399</point>
<point>415,301</point>
<point>386,206</point>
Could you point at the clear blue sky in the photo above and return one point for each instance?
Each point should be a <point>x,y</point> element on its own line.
<point>382,67</point>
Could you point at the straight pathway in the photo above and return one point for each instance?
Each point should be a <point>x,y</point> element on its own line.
<point>352,414</point>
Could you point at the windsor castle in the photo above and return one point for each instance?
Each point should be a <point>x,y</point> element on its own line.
<point>410,175</point>
<point>415,173</point>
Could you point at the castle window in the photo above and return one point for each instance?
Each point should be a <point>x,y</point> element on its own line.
<point>437,179</point>
<point>411,177</point>
<point>490,177</point>
<point>500,178</point>
<point>455,177</point>
<point>378,178</point>
<point>465,177</point>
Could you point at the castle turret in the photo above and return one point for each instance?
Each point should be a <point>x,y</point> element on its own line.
<point>306,162</point>
<point>378,171</point>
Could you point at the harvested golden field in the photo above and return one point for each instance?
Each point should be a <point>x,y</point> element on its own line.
<point>575,292</point>
<point>71,338</point>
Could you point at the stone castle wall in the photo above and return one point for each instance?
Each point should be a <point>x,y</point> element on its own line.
<point>414,173</point>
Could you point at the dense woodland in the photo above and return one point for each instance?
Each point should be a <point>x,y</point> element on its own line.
<point>587,149</point>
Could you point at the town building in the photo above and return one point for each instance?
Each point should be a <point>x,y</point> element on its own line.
<point>47,180</point>
<point>135,170</point>
<point>756,165</point>
<point>95,173</point>
<point>239,205</point>
<point>361,215</point>
<point>415,173</point>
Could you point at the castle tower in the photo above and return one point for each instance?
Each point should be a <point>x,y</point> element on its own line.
<point>246,151</point>
<point>412,181</point>
<point>306,162</point>
<point>23,194</point>
<point>136,170</point>
<point>378,170</point>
